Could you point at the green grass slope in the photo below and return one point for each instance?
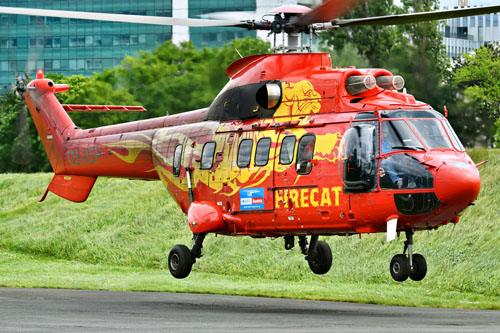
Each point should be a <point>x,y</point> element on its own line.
<point>121,236</point>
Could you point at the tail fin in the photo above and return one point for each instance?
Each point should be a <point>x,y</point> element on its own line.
<point>55,127</point>
<point>52,123</point>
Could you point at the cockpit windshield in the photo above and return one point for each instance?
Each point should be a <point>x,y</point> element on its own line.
<point>432,133</point>
<point>397,135</point>
<point>417,134</point>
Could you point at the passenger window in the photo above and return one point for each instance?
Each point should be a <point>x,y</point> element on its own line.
<point>262,151</point>
<point>305,154</point>
<point>287,149</point>
<point>177,161</point>
<point>207,155</point>
<point>245,153</point>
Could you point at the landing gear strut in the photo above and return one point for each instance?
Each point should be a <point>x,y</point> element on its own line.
<point>413,266</point>
<point>181,259</point>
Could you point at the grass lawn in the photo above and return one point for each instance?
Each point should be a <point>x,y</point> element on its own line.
<point>119,239</point>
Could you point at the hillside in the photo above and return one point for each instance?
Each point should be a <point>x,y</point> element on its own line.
<point>130,227</point>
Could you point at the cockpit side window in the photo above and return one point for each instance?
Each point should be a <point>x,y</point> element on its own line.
<point>358,149</point>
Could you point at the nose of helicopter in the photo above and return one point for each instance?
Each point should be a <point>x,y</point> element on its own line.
<point>457,184</point>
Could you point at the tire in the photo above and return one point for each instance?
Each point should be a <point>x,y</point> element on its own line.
<point>180,261</point>
<point>322,262</point>
<point>400,267</point>
<point>419,268</point>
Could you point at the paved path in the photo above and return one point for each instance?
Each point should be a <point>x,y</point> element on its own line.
<point>49,310</point>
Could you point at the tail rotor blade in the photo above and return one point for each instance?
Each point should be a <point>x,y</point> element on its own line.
<point>22,146</point>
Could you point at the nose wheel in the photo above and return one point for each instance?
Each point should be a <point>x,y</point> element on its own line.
<point>413,266</point>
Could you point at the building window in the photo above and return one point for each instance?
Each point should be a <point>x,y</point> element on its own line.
<point>495,20</point>
<point>262,151</point>
<point>207,155</point>
<point>488,20</point>
<point>472,21</point>
<point>97,40</point>
<point>47,65</point>
<point>89,40</point>
<point>244,153</point>
<point>287,149</point>
<point>305,153</point>
<point>134,39</point>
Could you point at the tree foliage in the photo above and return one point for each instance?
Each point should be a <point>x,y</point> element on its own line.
<point>478,76</point>
<point>373,42</point>
<point>21,149</point>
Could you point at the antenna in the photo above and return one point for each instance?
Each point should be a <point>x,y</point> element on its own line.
<point>238,52</point>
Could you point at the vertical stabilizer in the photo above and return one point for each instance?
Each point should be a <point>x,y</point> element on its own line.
<point>52,122</point>
<point>55,128</point>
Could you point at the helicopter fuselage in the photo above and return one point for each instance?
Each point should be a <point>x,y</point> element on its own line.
<point>290,147</point>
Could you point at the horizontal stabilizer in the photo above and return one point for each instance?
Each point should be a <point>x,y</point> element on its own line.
<point>73,188</point>
<point>102,108</point>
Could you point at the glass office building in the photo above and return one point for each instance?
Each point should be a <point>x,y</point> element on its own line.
<point>70,46</point>
<point>217,36</point>
<point>465,34</point>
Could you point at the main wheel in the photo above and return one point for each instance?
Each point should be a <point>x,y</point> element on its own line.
<point>400,267</point>
<point>322,262</point>
<point>419,268</point>
<point>180,261</point>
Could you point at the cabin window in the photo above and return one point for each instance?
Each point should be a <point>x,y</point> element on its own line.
<point>207,155</point>
<point>262,151</point>
<point>305,153</point>
<point>176,167</point>
<point>245,153</point>
<point>287,149</point>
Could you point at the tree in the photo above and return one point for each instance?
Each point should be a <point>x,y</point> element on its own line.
<point>175,78</point>
<point>478,76</point>
<point>373,42</point>
<point>21,149</point>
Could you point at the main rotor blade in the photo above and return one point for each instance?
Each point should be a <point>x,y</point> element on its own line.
<point>417,17</point>
<point>157,20</point>
<point>326,11</point>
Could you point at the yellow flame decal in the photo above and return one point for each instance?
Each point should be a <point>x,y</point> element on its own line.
<point>133,147</point>
<point>299,98</point>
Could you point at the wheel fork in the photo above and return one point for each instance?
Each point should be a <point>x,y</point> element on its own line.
<point>408,246</point>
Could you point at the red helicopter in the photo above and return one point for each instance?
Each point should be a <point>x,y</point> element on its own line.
<point>291,147</point>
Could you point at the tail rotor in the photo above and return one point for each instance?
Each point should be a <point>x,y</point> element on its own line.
<point>22,144</point>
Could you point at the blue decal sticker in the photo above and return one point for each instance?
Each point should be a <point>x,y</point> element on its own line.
<point>252,198</point>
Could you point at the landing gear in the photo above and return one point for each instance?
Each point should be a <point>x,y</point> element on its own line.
<point>318,255</point>
<point>181,259</point>
<point>413,266</point>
